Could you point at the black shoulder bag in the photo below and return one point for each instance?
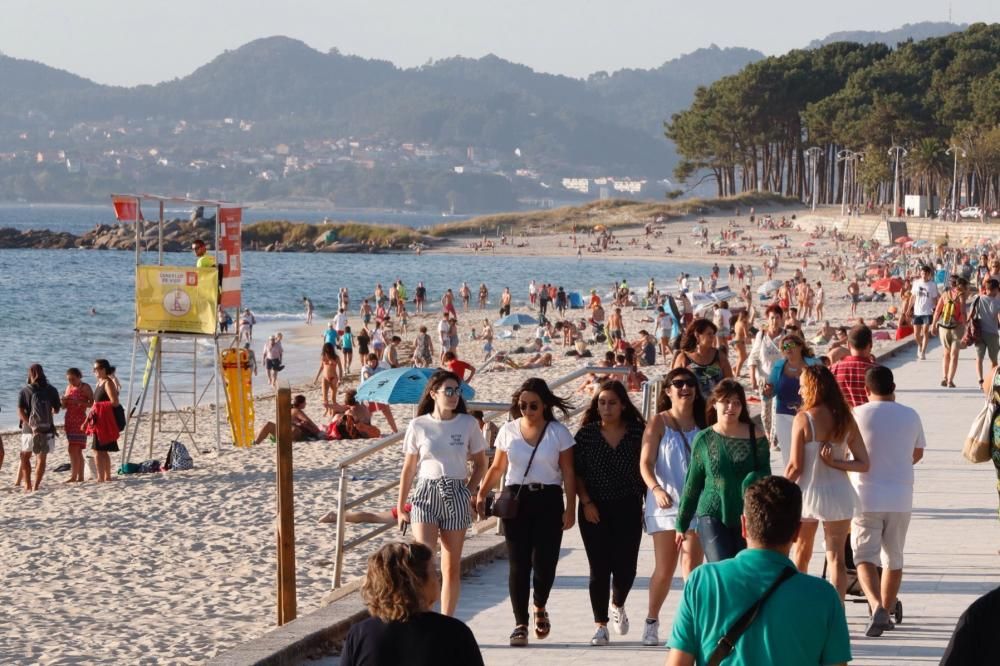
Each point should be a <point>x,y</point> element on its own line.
<point>727,643</point>
<point>506,504</point>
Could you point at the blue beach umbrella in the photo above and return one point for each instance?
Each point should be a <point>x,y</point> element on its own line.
<point>401,386</point>
<point>516,319</point>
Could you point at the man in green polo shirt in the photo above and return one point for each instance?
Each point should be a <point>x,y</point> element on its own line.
<point>800,624</point>
<point>205,260</point>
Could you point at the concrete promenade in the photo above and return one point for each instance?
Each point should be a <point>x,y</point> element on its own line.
<point>951,554</point>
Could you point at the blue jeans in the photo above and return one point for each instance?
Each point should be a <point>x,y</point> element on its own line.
<point>719,541</point>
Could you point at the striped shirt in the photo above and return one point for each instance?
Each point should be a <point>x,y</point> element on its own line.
<point>850,373</point>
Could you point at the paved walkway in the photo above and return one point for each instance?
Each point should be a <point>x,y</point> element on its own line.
<point>951,555</point>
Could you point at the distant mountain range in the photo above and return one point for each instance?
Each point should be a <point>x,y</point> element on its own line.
<point>608,124</point>
<point>914,31</point>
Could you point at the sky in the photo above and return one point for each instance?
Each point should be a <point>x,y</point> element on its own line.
<point>127,42</point>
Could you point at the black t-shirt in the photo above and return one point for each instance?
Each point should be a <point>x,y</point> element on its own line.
<point>609,474</point>
<point>24,401</point>
<point>421,292</point>
<point>427,639</point>
<point>974,643</point>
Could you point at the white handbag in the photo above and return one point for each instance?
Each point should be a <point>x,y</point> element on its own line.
<point>978,442</point>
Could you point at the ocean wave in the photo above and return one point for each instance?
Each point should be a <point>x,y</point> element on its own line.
<point>279,316</point>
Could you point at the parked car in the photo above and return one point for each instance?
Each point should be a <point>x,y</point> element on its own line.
<point>971,212</point>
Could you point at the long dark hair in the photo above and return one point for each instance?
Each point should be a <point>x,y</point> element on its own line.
<point>630,413</point>
<point>664,403</point>
<point>727,388</point>
<point>690,340</point>
<point>329,350</point>
<point>426,403</point>
<point>820,388</point>
<point>103,364</point>
<point>549,399</point>
<point>35,370</point>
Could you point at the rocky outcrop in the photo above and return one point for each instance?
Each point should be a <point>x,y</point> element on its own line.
<point>36,239</point>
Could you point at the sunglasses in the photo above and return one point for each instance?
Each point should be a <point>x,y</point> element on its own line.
<point>681,383</point>
<point>785,346</point>
<point>451,391</point>
<point>528,406</point>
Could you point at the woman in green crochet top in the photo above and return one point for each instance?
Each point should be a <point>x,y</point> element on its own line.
<point>726,457</point>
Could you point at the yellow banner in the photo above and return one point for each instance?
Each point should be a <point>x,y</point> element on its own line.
<point>176,299</point>
<point>239,395</point>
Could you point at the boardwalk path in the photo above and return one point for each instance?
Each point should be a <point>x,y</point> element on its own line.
<point>951,555</point>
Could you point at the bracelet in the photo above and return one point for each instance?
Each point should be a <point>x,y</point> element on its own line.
<point>655,487</point>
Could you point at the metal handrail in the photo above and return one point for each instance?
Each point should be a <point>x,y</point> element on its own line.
<point>491,410</point>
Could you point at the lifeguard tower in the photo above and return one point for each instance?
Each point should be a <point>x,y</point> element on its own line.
<point>177,336</point>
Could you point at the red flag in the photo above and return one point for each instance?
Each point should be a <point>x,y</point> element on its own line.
<point>127,209</point>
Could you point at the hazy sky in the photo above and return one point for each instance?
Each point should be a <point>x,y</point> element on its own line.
<point>146,41</point>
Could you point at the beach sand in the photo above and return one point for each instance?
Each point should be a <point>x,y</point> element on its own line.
<point>177,567</point>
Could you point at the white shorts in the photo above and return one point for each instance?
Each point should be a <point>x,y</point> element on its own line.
<point>28,444</point>
<point>666,523</point>
<point>875,532</point>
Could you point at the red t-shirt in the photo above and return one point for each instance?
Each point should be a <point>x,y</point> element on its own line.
<point>459,368</point>
<point>850,373</point>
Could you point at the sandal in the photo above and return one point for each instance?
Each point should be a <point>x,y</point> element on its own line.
<point>519,637</point>
<point>542,624</point>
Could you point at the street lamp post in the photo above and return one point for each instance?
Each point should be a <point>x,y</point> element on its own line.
<point>859,156</point>
<point>845,156</point>
<point>813,155</point>
<point>900,154</point>
<point>955,150</point>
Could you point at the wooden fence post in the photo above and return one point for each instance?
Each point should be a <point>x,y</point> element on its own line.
<point>285,510</point>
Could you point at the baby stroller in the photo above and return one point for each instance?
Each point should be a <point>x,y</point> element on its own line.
<point>854,585</point>
<point>597,330</point>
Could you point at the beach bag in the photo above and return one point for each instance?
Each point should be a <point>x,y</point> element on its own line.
<point>178,457</point>
<point>973,331</point>
<point>977,444</point>
<point>119,413</point>
<point>40,414</point>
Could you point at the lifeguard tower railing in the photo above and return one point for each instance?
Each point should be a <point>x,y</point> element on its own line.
<point>491,412</point>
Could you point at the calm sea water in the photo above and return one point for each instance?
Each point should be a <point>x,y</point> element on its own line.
<point>46,296</point>
<point>79,219</point>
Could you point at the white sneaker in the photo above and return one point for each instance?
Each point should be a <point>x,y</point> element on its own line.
<point>600,637</point>
<point>923,356</point>
<point>619,620</point>
<point>651,633</point>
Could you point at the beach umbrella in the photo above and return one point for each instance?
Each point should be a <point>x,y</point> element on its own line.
<point>892,285</point>
<point>516,319</point>
<point>767,248</point>
<point>903,239</point>
<point>723,294</point>
<point>769,287</point>
<point>920,243</point>
<point>401,386</point>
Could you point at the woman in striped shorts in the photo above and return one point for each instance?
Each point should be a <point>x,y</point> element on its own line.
<point>437,445</point>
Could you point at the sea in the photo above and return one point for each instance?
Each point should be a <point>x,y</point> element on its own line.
<point>47,296</point>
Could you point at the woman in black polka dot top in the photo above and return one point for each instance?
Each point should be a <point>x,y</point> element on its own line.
<point>611,492</point>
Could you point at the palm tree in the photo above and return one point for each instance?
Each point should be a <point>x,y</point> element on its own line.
<point>926,165</point>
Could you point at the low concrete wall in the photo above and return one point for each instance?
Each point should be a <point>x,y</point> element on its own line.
<point>321,632</point>
<point>964,233</point>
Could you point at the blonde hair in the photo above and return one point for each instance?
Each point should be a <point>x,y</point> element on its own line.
<point>392,588</point>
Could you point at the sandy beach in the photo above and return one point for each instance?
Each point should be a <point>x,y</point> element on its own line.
<point>177,567</point>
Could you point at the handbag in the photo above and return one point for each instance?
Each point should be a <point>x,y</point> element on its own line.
<point>506,504</point>
<point>119,413</point>
<point>973,330</point>
<point>979,440</point>
<point>726,644</point>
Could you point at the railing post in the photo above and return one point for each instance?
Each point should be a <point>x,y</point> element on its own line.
<point>338,567</point>
<point>286,515</point>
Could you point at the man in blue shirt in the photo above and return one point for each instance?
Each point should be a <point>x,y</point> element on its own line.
<point>802,622</point>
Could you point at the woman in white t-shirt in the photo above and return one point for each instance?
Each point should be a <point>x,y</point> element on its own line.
<point>536,453</point>
<point>666,452</point>
<point>437,444</point>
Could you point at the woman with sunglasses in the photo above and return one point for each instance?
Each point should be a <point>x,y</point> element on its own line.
<point>535,452</point>
<point>725,459</point>
<point>610,488</point>
<point>764,353</point>
<point>824,432</point>
<point>666,453</point>
<point>701,356</point>
<point>437,444</point>
<point>783,388</point>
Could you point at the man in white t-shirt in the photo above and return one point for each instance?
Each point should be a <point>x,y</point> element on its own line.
<point>925,295</point>
<point>894,437</point>
<point>340,322</point>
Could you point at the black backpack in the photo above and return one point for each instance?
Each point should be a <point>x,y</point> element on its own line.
<point>40,411</point>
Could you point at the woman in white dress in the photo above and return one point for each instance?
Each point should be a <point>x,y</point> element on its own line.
<point>764,353</point>
<point>823,433</point>
<point>666,451</point>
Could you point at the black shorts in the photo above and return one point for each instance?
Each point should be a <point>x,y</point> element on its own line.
<point>273,364</point>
